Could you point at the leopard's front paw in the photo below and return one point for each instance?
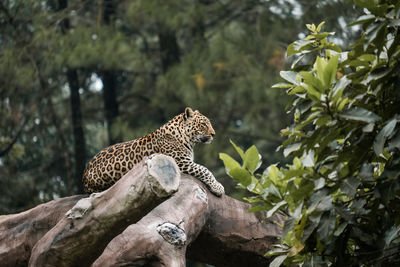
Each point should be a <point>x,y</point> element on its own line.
<point>217,189</point>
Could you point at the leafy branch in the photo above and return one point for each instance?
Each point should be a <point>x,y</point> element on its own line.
<point>338,191</point>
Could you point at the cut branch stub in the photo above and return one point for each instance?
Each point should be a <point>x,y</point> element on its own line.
<point>80,237</point>
<point>172,233</point>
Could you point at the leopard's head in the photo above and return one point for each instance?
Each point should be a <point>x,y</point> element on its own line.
<point>197,126</point>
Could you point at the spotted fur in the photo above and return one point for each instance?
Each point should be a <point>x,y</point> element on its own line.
<point>176,138</point>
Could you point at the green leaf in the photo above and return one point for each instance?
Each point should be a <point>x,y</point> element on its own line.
<point>331,68</point>
<point>291,148</point>
<point>295,90</point>
<point>298,46</point>
<point>252,159</point>
<point>320,65</point>
<point>320,26</point>
<point>339,230</point>
<point>282,85</point>
<point>326,225</point>
<point>362,20</point>
<point>311,27</point>
<point>254,186</point>
<point>275,251</point>
<point>366,173</point>
<point>349,186</point>
<point>269,191</point>
<point>289,76</point>
<point>276,208</point>
<point>238,149</point>
<point>297,60</point>
<point>229,162</point>
<point>241,175</point>
<point>391,234</point>
<point>278,261</point>
<point>309,78</point>
<point>367,57</point>
<point>288,226</point>
<point>326,69</point>
<point>342,103</point>
<point>274,191</point>
<point>308,160</point>
<point>319,183</point>
<point>373,37</point>
<point>315,199</point>
<point>339,87</point>
<point>383,135</point>
<point>311,226</point>
<point>325,204</point>
<point>295,250</point>
<point>360,114</point>
<point>273,172</point>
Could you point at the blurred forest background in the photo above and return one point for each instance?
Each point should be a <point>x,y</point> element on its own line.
<point>78,75</point>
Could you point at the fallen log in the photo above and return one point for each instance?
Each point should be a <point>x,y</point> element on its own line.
<point>112,228</point>
<point>229,236</point>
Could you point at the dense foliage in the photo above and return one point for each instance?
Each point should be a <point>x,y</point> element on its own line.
<point>341,193</point>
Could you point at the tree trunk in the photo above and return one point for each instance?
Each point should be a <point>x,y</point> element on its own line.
<point>111,106</point>
<point>169,49</point>
<point>77,125</point>
<point>124,226</point>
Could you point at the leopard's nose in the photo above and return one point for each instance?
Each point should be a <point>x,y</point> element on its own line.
<point>212,132</point>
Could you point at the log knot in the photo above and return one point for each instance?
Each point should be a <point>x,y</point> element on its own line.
<point>172,233</point>
<point>163,174</point>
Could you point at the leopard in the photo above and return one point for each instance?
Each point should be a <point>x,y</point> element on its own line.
<point>176,139</point>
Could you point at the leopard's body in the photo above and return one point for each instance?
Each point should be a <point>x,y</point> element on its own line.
<point>176,138</point>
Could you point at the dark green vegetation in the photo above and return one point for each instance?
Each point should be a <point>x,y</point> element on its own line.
<point>153,59</point>
<point>341,193</point>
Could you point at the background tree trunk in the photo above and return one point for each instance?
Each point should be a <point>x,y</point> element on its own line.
<point>169,49</point>
<point>79,137</point>
<point>111,107</point>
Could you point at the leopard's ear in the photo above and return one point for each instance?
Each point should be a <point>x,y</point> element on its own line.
<point>188,113</point>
